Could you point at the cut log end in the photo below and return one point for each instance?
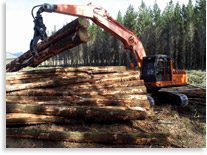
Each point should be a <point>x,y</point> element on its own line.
<point>83,22</point>
<point>83,34</point>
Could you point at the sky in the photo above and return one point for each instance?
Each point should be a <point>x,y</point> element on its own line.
<point>19,22</point>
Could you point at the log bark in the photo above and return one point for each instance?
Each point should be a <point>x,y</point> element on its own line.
<point>87,69</point>
<point>88,85</point>
<point>91,137</point>
<point>64,39</point>
<point>75,39</point>
<point>14,77</point>
<point>77,101</point>
<point>93,113</point>
<point>137,90</point>
<point>195,94</point>
<point>99,100</point>
<point>30,78</point>
<point>50,82</point>
<point>117,79</point>
<point>14,119</point>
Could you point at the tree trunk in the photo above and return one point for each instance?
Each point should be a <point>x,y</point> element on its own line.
<point>88,85</point>
<point>27,78</point>
<point>14,119</point>
<point>81,98</point>
<point>23,79</point>
<point>78,101</point>
<point>93,113</point>
<point>54,82</point>
<point>137,90</point>
<point>91,137</point>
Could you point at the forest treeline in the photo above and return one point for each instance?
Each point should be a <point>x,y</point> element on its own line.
<point>177,31</point>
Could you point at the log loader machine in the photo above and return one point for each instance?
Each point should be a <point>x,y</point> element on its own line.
<point>156,70</point>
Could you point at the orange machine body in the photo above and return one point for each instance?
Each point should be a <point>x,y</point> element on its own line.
<point>178,79</point>
<point>169,76</point>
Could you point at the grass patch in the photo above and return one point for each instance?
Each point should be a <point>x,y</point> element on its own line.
<point>196,77</point>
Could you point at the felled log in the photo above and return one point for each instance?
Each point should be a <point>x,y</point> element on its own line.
<point>91,137</point>
<point>87,69</point>
<point>108,100</point>
<point>195,94</point>
<point>90,86</point>
<point>78,101</point>
<point>47,83</point>
<point>87,85</point>
<point>13,119</point>
<point>29,78</point>
<point>75,39</point>
<point>109,91</point>
<point>69,36</point>
<point>190,90</point>
<point>94,113</point>
<point>12,78</point>
<point>51,82</point>
<point>198,100</point>
<point>81,92</point>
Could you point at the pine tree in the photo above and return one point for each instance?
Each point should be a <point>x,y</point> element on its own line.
<point>117,44</point>
<point>129,19</point>
<point>168,14</point>
<point>183,37</point>
<point>156,35</point>
<point>189,29</point>
<point>144,27</point>
<point>177,30</point>
<point>200,34</point>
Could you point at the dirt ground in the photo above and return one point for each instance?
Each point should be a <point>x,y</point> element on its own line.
<point>186,126</point>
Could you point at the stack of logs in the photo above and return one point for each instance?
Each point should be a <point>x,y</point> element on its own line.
<point>70,95</point>
<point>52,104</point>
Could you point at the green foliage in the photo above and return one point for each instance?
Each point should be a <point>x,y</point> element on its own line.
<point>129,19</point>
<point>156,31</point>
<point>119,18</point>
<point>145,27</point>
<point>196,77</point>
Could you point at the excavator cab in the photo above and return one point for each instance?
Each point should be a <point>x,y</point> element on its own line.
<point>156,68</point>
<point>157,72</point>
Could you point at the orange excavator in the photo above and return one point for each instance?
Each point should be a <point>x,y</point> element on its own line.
<point>156,71</point>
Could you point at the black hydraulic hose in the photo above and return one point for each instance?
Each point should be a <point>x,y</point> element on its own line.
<point>33,9</point>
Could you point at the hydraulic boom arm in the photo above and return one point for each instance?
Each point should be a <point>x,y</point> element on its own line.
<point>100,17</point>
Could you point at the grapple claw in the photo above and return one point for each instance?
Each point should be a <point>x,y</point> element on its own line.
<point>39,33</point>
